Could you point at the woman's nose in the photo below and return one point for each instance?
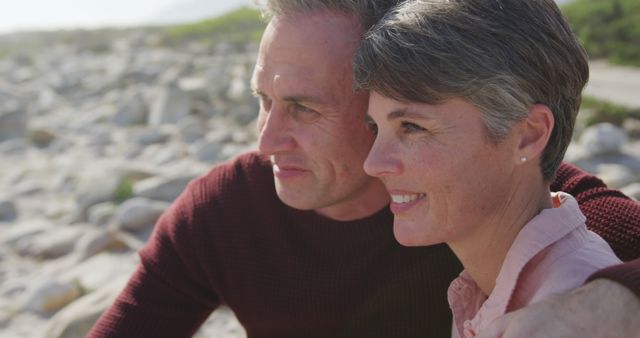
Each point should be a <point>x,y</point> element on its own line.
<point>381,160</point>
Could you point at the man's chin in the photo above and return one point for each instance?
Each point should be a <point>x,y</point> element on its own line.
<point>294,200</point>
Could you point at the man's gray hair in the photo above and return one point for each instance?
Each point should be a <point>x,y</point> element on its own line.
<point>502,56</point>
<point>368,12</point>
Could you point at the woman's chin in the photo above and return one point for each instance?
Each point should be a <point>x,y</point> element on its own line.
<point>406,238</point>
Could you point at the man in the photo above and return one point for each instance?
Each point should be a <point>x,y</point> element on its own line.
<point>298,241</point>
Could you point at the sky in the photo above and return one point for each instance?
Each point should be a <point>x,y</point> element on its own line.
<point>53,14</point>
<point>16,15</point>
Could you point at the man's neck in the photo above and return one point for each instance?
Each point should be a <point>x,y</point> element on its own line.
<point>368,201</point>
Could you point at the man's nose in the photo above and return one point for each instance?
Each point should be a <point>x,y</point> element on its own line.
<point>275,131</point>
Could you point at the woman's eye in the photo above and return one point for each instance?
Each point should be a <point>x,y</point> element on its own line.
<point>409,127</point>
<point>371,125</point>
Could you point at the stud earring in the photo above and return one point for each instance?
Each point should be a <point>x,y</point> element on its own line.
<point>523,159</point>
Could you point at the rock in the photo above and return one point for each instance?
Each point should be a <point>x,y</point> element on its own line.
<point>47,297</point>
<point>53,243</point>
<point>150,136</point>
<point>101,213</point>
<point>42,136</point>
<point>76,319</point>
<point>165,155</point>
<point>139,213</point>
<point>95,242</point>
<point>137,171</point>
<point>192,129</point>
<point>602,138</point>
<point>101,269</point>
<point>632,148</point>
<point>208,151</point>
<point>8,211</point>
<point>100,137</point>
<point>162,188</point>
<point>243,114</point>
<point>222,323</point>
<point>632,190</point>
<point>27,187</point>
<point>231,150</point>
<point>13,121</point>
<point>96,189</point>
<point>133,111</point>
<point>632,127</point>
<point>21,233</point>
<point>196,87</point>
<point>238,85</point>
<point>171,105</point>
<point>13,147</point>
<point>616,176</point>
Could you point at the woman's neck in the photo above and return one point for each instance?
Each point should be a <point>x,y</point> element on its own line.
<point>482,253</point>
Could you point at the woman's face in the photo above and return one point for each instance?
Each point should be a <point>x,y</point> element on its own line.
<point>445,177</point>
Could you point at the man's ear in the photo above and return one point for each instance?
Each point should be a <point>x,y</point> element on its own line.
<point>535,132</point>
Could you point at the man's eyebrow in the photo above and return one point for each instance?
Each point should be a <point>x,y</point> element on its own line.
<point>255,92</point>
<point>301,98</point>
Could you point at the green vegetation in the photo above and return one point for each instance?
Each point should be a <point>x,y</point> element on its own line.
<point>124,191</point>
<point>607,28</point>
<point>240,26</point>
<point>604,111</point>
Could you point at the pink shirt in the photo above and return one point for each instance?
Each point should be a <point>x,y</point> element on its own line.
<point>552,254</point>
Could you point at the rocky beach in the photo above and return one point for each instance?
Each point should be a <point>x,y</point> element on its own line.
<point>97,138</point>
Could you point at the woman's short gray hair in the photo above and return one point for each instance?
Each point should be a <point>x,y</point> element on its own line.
<point>502,56</point>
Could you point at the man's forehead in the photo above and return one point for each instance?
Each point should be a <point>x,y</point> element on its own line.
<point>292,84</point>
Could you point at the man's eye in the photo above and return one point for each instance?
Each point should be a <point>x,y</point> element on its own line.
<point>265,102</point>
<point>409,127</point>
<point>302,109</point>
<point>302,113</point>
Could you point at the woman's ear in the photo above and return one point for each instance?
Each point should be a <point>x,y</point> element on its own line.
<point>535,132</point>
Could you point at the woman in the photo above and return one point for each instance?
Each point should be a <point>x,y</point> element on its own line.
<point>474,103</point>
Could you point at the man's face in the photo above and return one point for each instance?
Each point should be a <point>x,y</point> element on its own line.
<point>311,122</point>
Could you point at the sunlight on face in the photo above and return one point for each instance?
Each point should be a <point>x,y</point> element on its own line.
<point>311,121</point>
<point>444,176</point>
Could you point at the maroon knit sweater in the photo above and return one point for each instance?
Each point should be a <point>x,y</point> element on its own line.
<point>228,239</point>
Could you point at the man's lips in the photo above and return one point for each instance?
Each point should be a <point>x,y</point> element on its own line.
<point>287,171</point>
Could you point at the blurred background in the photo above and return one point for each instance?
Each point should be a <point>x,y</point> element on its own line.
<point>109,108</point>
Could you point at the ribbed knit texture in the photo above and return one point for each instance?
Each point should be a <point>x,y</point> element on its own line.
<point>229,240</point>
<point>609,213</point>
